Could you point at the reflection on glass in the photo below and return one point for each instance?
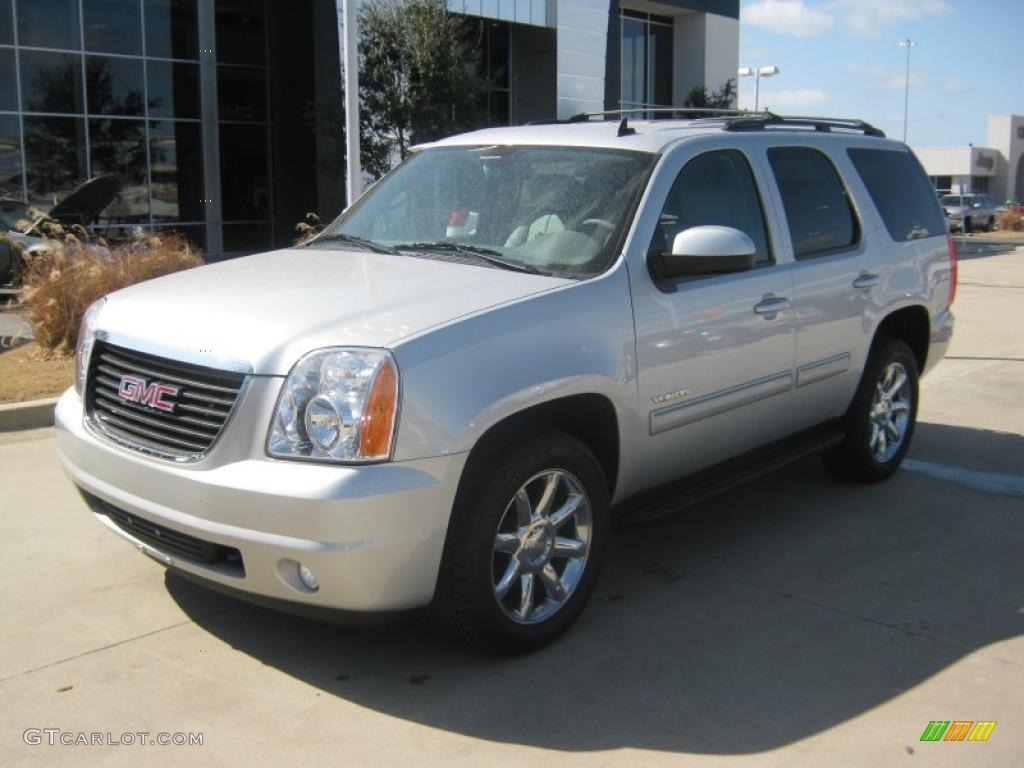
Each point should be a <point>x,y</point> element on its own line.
<point>113,85</point>
<point>244,172</point>
<point>659,66</point>
<point>49,24</point>
<point>634,37</point>
<point>176,165</point>
<point>239,29</point>
<point>8,84</point>
<point>242,93</point>
<point>54,157</point>
<point>10,158</point>
<point>6,23</point>
<point>51,82</point>
<point>173,89</point>
<point>247,238</point>
<point>119,146</point>
<point>171,29</point>
<point>112,26</point>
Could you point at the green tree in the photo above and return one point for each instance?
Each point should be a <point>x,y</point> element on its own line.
<point>724,97</point>
<point>417,79</point>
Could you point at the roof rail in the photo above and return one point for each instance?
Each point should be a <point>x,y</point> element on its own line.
<point>824,124</point>
<point>583,117</point>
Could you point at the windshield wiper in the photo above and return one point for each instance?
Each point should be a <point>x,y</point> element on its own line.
<point>362,242</point>
<point>488,255</point>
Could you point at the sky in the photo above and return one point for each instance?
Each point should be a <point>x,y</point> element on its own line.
<point>842,58</point>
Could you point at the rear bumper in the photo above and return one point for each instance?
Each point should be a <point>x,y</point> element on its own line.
<point>939,341</point>
<point>373,535</point>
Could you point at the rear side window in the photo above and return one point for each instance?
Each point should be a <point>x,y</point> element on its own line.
<point>817,207</point>
<point>901,192</point>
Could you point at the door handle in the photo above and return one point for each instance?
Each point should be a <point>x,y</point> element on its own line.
<point>771,305</point>
<point>866,280</point>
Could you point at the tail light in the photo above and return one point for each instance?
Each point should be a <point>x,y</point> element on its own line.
<point>953,269</point>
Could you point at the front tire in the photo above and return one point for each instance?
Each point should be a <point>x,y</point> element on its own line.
<point>525,541</point>
<point>880,421</point>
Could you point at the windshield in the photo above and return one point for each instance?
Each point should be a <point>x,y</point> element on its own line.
<point>955,201</point>
<point>559,210</point>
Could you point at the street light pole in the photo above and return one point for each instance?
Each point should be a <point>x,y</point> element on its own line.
<point>908,44</point>
<point>757,73</point>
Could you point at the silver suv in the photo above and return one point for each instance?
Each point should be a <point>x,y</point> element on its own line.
<point>967,213</point>
<point>516,336</point>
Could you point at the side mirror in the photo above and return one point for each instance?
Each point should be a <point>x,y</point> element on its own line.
<point>705,250</point>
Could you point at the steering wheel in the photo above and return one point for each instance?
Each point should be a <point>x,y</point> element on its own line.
<point>599,223</point>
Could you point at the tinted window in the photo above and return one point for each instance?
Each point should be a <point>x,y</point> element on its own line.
<point>173,89</point>
<point>54,157</point>
<point>715,188</point>
<point>113,85</point>
<point>6,23</point>
<point>816,204</point>
<point>8,85</point>
<point>113,26</point>
<point>171,29</point>
<point>49,23</point>
<point>51,82</point>
<point>10,158</point>
<point>901,193</point>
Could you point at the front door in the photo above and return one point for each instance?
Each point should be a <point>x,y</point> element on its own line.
<point>715,354</point>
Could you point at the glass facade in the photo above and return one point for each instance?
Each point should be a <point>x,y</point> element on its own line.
<point>91,87</point>
<point>646,74</point>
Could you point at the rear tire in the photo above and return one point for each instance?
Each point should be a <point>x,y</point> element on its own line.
<point>525,541</point>
<point>880,421</point>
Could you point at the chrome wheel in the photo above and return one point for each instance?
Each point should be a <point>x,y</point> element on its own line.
<point>890,412</point>
<point>541,546</point>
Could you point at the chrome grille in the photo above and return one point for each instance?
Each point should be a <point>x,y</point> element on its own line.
<point>199,409</point>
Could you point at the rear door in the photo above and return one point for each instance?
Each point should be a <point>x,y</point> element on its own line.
<point>834,276</point>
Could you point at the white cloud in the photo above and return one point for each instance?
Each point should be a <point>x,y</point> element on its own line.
<point>868,18</point>
<point>797,97</point>
<point>954,85</point>
<point>888,79</point>
<point>789,17</point>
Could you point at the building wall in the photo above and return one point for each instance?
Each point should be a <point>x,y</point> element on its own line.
<point>997,169</point>
<point>582,46</point>
<point>1006,135</point>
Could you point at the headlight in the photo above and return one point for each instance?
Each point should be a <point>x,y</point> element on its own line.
<point>83,347</point>
<point>337,404</point>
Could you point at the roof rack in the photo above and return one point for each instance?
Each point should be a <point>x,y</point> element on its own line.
<point>824,124</point>
<point>583,117</point>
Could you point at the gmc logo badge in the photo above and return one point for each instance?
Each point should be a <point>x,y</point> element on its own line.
<point>137,390</point>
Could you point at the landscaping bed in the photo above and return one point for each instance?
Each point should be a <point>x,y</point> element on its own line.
<point>28,373</point>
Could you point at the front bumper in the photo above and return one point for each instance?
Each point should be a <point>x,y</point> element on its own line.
<point>373,535</point>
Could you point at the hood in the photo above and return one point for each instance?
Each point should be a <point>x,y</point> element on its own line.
<point>270,309</point>
<point>84,204</point>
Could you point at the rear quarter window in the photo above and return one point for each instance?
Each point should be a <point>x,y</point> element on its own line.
<point>901,192</point>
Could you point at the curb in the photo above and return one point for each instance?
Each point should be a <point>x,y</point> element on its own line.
<point>33,414</point>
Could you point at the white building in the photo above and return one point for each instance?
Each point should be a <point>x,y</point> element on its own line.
<point>996,169</point>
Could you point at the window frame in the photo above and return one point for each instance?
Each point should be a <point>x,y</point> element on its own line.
<point>851,204</point>
<point>769,235</point>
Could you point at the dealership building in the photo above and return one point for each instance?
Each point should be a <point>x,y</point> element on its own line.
<point>996,169</point>
<point>224,116</point>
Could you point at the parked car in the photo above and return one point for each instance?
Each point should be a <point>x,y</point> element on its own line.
<point>642,314</point>
<point>23,223</point>
<point>967,213</point>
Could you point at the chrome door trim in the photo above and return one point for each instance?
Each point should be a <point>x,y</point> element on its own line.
<point>822,369</point>
<point>715,403</point>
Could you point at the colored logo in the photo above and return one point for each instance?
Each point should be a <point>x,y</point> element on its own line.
<point>133,389</point>
<point>958,730</point>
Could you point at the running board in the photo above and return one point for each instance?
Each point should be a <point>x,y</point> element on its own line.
<point>678,495</point>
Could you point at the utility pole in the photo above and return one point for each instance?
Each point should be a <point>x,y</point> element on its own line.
<point>908,44</point>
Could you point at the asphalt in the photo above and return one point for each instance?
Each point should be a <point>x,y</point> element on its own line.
<point>797,621</point>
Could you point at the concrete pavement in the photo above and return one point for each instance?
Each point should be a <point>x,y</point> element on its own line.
<point>794,622</point>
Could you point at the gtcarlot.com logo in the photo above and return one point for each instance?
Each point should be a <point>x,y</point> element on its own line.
<point>58,737</point>
<point>958,730</point>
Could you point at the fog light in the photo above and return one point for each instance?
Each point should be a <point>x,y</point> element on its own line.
<point>308,578</point>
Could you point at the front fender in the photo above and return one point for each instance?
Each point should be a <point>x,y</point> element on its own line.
<point>461,379</point>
